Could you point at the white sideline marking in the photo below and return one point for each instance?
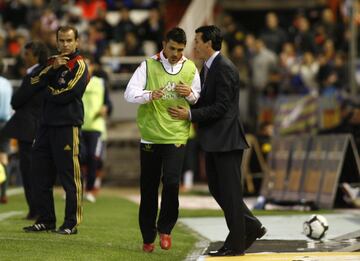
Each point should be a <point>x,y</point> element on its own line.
<point>9,214</point>
<point>14,191</point>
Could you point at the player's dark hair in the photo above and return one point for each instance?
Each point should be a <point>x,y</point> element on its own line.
<point>39,50</point>
<point>211,33</point>
<point>177,35</point>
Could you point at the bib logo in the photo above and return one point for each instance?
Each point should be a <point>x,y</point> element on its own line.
<point>147,147</point>
<point>169,90</point>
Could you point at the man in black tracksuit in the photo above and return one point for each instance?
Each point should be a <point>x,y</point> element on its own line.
<point>22,126</point>
<point>56,146</point>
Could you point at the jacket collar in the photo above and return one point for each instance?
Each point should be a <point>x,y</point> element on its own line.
<point>74,54</point>
<point>209,61</point>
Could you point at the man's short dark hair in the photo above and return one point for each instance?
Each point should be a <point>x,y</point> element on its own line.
<point>66,28</point>
<point>39,50</point>
<point>177,35</point>
<point>211,33</point>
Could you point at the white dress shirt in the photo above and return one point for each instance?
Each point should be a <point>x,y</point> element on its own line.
<point>211,59</point>
<point>208,64</point>
<point>135,91</point>
<point>29,70</point>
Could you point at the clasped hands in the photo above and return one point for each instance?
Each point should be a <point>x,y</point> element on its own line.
<point>182,89</point>
<point>176,112</point>
<point>180,112</point>
<point>60,60</point>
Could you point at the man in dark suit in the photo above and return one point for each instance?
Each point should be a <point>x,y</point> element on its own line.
<point>22,126</point>
<point>222,138</point>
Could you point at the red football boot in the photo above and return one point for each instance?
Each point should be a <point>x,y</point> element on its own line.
<point>148,247</point>
<point>165,241</point>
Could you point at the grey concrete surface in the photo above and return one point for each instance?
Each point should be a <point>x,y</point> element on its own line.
<point>279,227</point>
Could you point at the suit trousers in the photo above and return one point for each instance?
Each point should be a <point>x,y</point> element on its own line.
<point>159,162</point>
<point>56,153</point>
<point>223,170</point>
<point>25,150</point>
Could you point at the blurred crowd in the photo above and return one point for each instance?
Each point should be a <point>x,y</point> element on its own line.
<point>296,58</point>
<point>303,54</point>
<point>38,20</point>
<point>308,55</point>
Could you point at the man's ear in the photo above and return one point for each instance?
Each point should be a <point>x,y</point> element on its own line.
<point>209,44</point>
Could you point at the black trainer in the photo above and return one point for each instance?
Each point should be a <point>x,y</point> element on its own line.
<point>66,231</point>
<point>38,227</point>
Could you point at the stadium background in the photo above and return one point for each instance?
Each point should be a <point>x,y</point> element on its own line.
<point>295,58</point>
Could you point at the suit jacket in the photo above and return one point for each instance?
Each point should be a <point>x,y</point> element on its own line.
<point>27,103</point>
<point>217,110</point>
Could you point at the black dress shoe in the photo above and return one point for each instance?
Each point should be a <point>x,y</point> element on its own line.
<point>252,237</point>
<point>224,251</point>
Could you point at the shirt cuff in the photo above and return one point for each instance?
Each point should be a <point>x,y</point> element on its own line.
<point>147,97</point>
<point>191,98</point>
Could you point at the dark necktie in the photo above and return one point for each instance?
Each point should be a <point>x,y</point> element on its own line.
<point>206,70</point>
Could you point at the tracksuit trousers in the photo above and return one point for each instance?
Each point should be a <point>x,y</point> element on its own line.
<point>56,153</point>
<point>159,162</point>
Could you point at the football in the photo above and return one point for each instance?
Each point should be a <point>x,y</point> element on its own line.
<point>315,227</point>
